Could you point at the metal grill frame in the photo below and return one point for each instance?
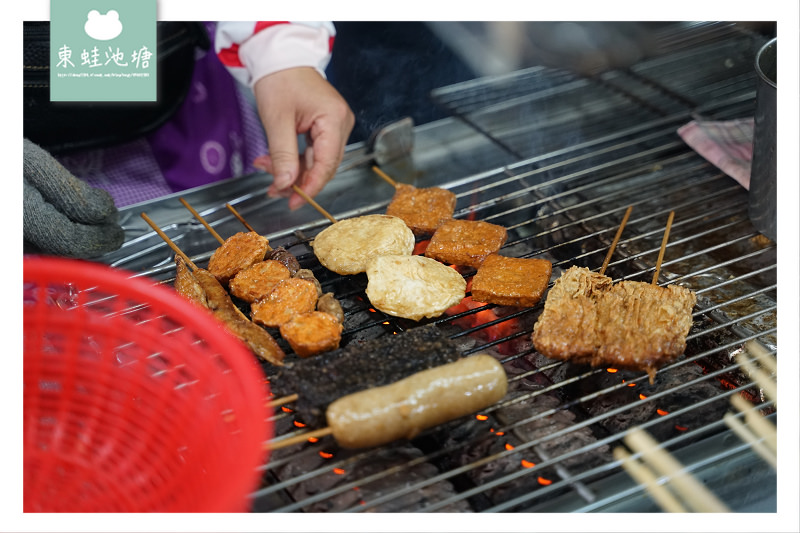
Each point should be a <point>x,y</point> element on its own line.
<point>562,189</point>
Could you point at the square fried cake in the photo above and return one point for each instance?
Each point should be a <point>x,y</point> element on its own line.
<point>513,281</point>
<point>466,242</point>
<point>424,209</point>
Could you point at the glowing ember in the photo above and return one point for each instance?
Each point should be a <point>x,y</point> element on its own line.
<point>312,440</point>
<point>482,417</point>
<point>642,397</point>
<point>544,481</point>
<point>662,412</point>
<point>527,464</point>
<point>681,428</point>
<point>489,333</point>
<point>339,471</point>
<point>285,409</point>
<point>299,424</point>
<point>509,447</point>
<point>325,455</point>
<point>612,370</point>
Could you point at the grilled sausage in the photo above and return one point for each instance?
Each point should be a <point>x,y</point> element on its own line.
<point>403,409</point>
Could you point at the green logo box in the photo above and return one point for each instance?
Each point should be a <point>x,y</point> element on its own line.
<point>103,51</point>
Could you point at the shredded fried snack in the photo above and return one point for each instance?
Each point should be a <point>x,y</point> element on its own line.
<point>631,325</point>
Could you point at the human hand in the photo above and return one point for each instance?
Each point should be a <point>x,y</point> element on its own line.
<point>61,214</point>
<point>300,101</point>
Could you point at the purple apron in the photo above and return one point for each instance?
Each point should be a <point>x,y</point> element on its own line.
<point>214,135</point>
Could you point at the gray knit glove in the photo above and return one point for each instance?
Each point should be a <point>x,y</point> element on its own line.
<point>62,215</point>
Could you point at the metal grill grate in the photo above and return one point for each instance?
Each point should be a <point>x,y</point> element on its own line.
<point>574,153</point>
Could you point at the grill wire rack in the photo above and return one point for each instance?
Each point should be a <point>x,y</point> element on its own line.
<point>556,159</point>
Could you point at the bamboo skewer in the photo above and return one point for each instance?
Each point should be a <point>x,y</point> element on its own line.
<point>385,176</point>
<point>616,239</point>
<point>169,241</point>
<point>693,493</point>
<point>277,402</point>
<point>644,476</point>
<point>202,220</point>
<point>663,248</point>
<point>297,439</point>
<point>239,217</point>
<point>311,201</point>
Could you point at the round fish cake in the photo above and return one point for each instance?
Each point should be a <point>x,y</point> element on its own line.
<point>258,280</point>
<point>312,333</point>
<point>413,286</point>
<point>290,297</point>
<point>237,252</point>
<point>346,246</point>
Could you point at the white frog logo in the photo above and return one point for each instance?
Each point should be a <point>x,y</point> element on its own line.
<point>103,27</point>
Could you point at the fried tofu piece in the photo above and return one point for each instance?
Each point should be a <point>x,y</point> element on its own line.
<point>257,281</point>
<point>513,281</point>
<point>237,252</point>
<point>423,210</point>
<point>466,242</point>
<point>312,333</point>
<point>289,298</point>
<point>412,286</point>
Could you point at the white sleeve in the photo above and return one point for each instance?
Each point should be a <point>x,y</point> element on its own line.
<point>251,50</point>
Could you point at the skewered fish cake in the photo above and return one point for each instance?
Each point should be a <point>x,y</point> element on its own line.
<point>465,242</point>
<point>257,281</point>
<point>289,298</point>
<point>424,209</point>
<point>312,333</point>
<point>237,252</point>
<point>346,246</point>
<point>413,286</point>
<point>513,281</point>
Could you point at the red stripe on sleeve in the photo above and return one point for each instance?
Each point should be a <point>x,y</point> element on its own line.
<point>230,56</point>
<point>261,25</point>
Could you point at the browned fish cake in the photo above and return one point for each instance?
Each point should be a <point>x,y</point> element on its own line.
<point>466,242</point>
<point>237,252</point>
<point>513,281</point>
<point>423,210</point>
<point>258,280</point>
<point>289,298</point>
<point>312,333</point>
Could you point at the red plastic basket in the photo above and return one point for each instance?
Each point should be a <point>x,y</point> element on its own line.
<point>135,400</point>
